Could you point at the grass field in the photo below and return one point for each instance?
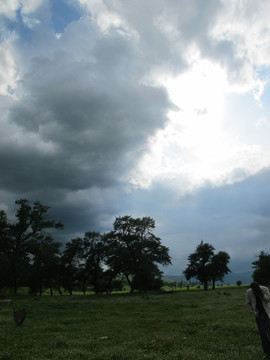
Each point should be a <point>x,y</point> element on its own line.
<point>185,325</point>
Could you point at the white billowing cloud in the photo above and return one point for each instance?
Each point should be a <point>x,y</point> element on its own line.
<point>9,64</point>
<point>103,16</point>
<point>249,35</point>
<point>8,8</point>
<point>196,147</point>
<point>8,68</point>
<point>245,23</point>
<point>233,34</point>
<point>29,6</point>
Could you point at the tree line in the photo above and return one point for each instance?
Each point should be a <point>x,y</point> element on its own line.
<point>29,256</point>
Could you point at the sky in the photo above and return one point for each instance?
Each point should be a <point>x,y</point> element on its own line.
<point>153,108</point>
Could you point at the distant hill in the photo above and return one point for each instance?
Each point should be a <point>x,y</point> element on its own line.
<point>231,278</point>
<point>245,277</point>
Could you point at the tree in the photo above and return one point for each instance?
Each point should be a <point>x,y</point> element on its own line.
<point>261,273</point>
<point>45,266</point>
<point>134,250</point>
<point>71,263</point>
<point>199,264</point>
<point>206,266</point>
<point>219,267</point>
<point>17,238</point>
<point>94,255</point>
<point>83,263</point>
<point>5,250</point>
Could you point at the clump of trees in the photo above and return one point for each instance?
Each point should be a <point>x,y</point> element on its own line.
<point>206,266</point>
<point>25,242</point>
<point>29,256</point>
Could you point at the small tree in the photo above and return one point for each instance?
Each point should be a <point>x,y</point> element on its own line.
<point>206,266</point>
<point>199,264</point>
<point>261,268</point>
<point>219,267</point>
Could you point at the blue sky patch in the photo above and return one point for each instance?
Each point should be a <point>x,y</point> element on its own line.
<point>63,14</point>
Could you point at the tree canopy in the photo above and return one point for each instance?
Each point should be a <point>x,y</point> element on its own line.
<point>205,265</point>
<point>18,239</point>
<point>135,252</point>
<point>261,267</point>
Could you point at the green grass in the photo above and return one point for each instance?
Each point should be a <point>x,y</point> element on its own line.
<point>185,325</point>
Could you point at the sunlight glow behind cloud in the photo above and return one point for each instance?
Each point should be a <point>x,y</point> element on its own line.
<point>195,147</point>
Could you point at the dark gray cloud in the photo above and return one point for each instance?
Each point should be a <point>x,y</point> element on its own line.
<point>91,113</point>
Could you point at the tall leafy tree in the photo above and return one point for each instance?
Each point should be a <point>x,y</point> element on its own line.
<point>71,262</point>
<point>199,264</point>
<point>31,226</point>
<point>261,267</point>
<point>219,267</point>
<point>135,251</point>
<point>45,266</point>
<point>94,257</point>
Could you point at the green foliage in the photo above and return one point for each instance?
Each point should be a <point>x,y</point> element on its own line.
<point>18,239</point>
<point>70,262</point>
<point>180,326</point>
<point>45,266</point>
<point>206,266</point>
<point>219,266</point>
<point>134,250</point>
<point>95,253</point>
<point>30,257</point>
<point>83,262</point>
<point>261,268</point>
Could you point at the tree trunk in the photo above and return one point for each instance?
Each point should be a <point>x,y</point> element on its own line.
<point>129,283</point>
<point>14,274</point>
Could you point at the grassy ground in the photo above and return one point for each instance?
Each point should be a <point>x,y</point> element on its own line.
<point>185,325</point>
